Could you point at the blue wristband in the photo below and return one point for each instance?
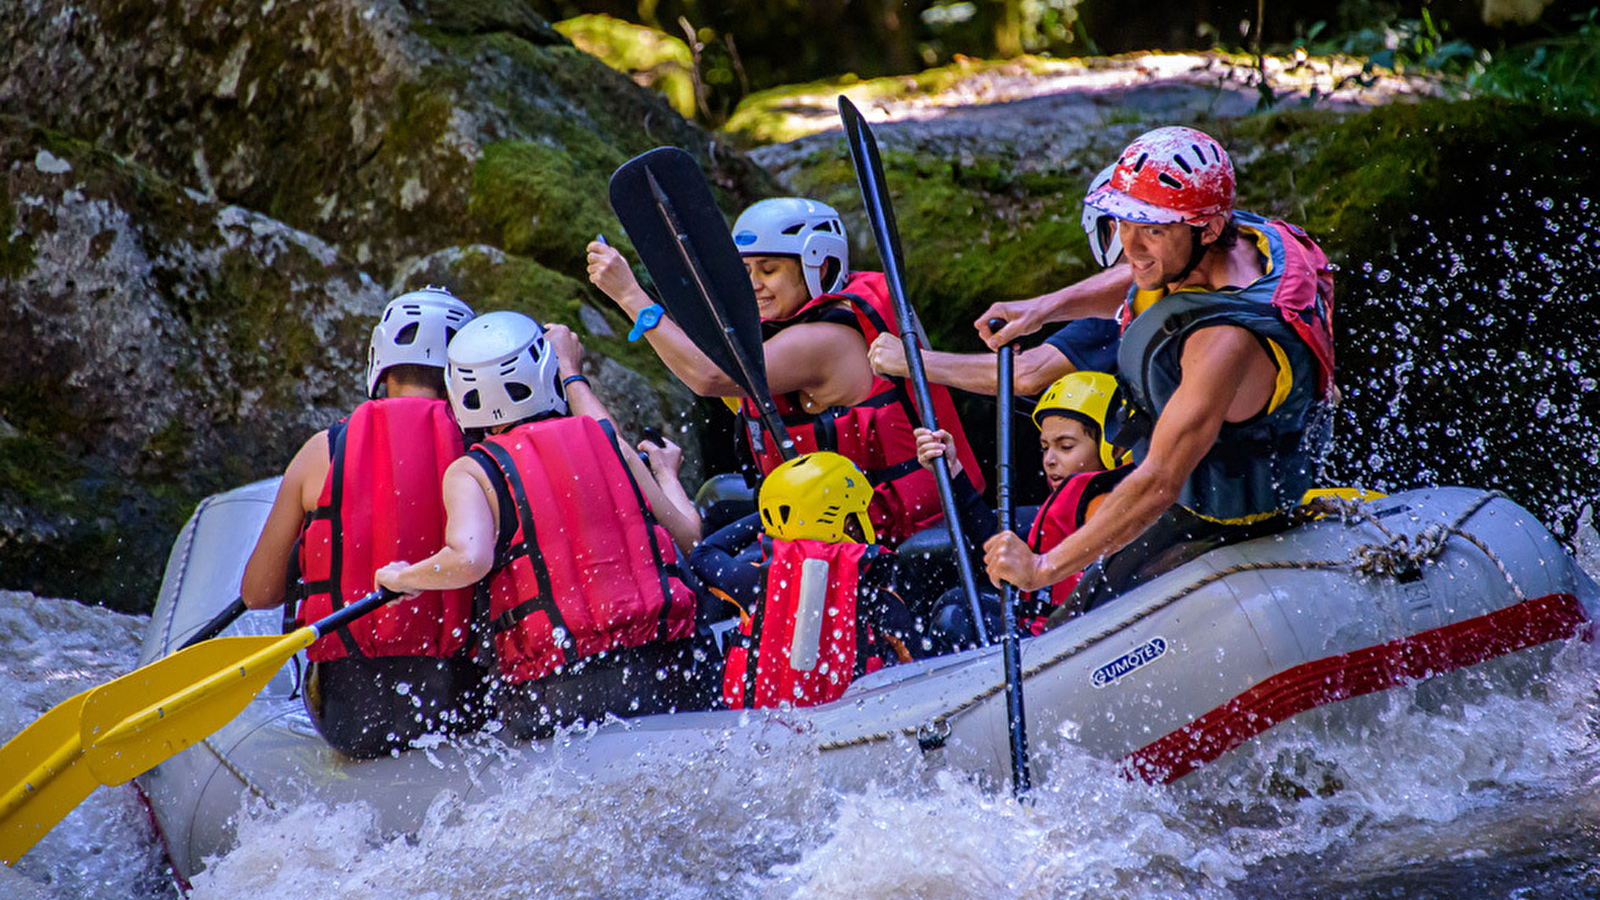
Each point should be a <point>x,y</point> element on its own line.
<point>649,317</point>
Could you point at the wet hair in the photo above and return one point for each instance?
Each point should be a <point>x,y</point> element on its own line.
<point>1229,235</point>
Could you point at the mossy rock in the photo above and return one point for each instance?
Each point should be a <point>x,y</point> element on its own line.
<point>653,59</point>
<point>1462,231</point>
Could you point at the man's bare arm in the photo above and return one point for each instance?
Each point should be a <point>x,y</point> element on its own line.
<point>1212,362</point>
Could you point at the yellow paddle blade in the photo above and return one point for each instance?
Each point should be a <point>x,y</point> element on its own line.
<point>46,761</point>
<point>130,725</point>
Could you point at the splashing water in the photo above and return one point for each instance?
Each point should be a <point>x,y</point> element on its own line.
<point>1446,794</point>
<point>1436,797</point>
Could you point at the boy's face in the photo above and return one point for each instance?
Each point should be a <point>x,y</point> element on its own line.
<point>779,284</point>
<point>1067,449</point>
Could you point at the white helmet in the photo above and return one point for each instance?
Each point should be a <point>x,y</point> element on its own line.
<point>795,226</point>
<point>415,329</point>
<point>1104,241</point>
<point>503,371</point>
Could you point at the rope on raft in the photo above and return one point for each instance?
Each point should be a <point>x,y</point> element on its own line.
<point>1397,556</point>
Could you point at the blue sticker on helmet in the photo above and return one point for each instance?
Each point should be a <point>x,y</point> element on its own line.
<point>745,238</point>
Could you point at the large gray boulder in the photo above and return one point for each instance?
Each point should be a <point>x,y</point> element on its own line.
<point>205,205</point>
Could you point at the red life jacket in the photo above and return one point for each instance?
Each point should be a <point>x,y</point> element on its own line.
<point>758,673</point>
<point>381,502</point>
<point>586,568</point>
<point>1062,514</point>
<point>875,434</point>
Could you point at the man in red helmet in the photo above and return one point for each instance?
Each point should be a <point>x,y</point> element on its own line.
<point>1226,364</point>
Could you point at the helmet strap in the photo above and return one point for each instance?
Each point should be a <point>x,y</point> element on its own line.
<point>1197,252</point>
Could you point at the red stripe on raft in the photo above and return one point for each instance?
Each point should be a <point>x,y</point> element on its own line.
<point>1371,669</point>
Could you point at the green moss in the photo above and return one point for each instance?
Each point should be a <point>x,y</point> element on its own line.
<point>652,58</point>
<point>972,231</point>
<point>16,246</point>
<point>86,534</point>
<point>534,200</point>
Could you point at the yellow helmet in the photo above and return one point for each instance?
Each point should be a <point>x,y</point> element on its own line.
<point>1086,396</point>
<point>811,496</point>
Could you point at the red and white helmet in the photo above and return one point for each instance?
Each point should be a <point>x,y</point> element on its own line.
<point>1169,176</point>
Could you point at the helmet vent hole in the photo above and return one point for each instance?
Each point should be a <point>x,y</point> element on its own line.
<point>1138,164</point>
<point>471,400</point>
<point>407,335</point>
<point>1169,181</point>
<point>783,513</point>
<point>518,391</point>
<point>794,229</point>
<point>1184,163</point>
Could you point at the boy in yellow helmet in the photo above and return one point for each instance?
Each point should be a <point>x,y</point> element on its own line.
<point>1081,467</point>
<point>818,611</point>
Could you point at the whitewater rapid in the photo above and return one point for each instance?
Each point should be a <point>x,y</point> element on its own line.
<point>1449,792</point>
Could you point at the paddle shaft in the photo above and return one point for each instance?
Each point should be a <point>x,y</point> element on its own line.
<point>119,727</point>
<point>753,383</point>
<point>874,196</point>
<point>216,626</point>
<point>1016,720</point>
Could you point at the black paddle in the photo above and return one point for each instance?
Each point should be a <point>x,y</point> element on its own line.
<point>875,196</point>
<point>215,627</point>
<point>1016,721</point>
<point>664,204</point>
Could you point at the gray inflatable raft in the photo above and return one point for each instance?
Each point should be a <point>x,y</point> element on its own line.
<point>1176,674</point>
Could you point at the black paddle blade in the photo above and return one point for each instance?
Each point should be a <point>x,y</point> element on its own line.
<point>664,204</point>
<point>880,211</point>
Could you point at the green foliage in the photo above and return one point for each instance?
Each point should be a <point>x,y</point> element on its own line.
<point>652,58</point>
<point>1560,72</point>
<point>533,197</point>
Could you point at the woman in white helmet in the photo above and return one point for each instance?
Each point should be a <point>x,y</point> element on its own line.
<point>578,540</point>
<point>356,496</point>
<point>819,318</point>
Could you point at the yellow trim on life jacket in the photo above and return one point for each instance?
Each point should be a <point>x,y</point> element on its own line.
<point>1246,520</point>
<point>1143,299</point>
<point>1285,377</point>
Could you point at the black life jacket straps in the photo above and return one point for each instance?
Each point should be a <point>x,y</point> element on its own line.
<point>529,548</point>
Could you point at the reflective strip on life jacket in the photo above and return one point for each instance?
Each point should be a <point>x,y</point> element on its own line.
<point>758,673</point>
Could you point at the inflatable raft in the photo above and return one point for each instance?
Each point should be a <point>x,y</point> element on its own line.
<point>1175,675</point>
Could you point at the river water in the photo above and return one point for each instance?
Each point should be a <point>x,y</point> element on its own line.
<point>1499,797</point>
